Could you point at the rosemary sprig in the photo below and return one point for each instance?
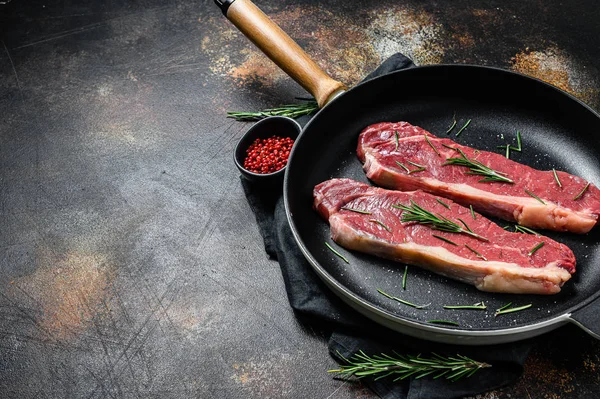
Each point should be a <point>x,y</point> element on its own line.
<point>535,196</point>
<point>477,168</point>
<point>445,239</point>
<point>463,128</point>
<point>397,140</point>
<point>527,230</point>
<point>556,178</point>
<point>443,203</point>
<point>429,142</point>
<point>337,253</point>
<point>476,253</point>
<point>450,322</point>
<point>472,212</point>
<point>403,166</point>
<point>581,193</point>
<point>289,110</point>
<point>402,300</point>
<point>477,306</point>
<point>347,208</point>
<point>379,222</point>
<point>380,366</point>
<point>534,250</point>
<point>404,277</point>
<point>415,213</point>
<point>505,309</point>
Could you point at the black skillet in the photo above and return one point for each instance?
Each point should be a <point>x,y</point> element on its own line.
<point>558,131</point>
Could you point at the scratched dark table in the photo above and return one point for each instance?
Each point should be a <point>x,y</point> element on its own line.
<point>130,262</point>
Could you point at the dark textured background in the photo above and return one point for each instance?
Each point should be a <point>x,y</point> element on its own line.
<point>130,263</point>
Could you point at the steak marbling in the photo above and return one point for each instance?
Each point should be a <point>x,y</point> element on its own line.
<point>502,264</point>
<point>380,150</point>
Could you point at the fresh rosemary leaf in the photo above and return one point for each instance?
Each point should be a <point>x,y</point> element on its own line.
<point>444,239</point>
<point>504,307</point>
<point>416,170</point>
<point>416,164</point>
<point>429,142</point>
<point>581,193</point>
<point>556,178</point>
<point>443,203</point>
<point>379,366</point>
<point>463,128</point>
<point>512,310</point>
<point>535,196</point>
<point>507,151</point>
<point>337,253</point>
<point>415,213</point>
<point>476,253</point>
<point>477,168</point>
<point>289,110</point>
<point>451,126</point>
<point>404,277</point>
<point>453,323</point>
<point>477,306</point>
<point>402,300</point>
<point>518,142</point>
<point>523,229</point>
<point>472,212</point>
<point>347,208</point>
<point>403,166</point>
<point>534,250</point>
<point>381,224</point>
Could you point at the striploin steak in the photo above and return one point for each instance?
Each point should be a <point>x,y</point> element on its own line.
<point>373,220</point>
<point>406,157</point>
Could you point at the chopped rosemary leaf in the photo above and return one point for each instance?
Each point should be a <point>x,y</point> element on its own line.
<point>518,142</point>
<point>451,126</point>
<point>504,307</point>
<point>429,142</point>
<point>416,170</point>
<point>416,164</point>
<point>477,168</point>
<point>443,203</point>
<point>346,208</point>
<point>581,193</point>
<point>445,239</point>
<point>476,253</point>
<point>534,250</point>
<point>452,148</point>
<point>507,151</point>
<point>556,178</point>
<point>463,128</point>
<point>506,227</point>
<point>477,306</point>
<point>337,253</point>
<point>523,229</point>
<point>381,224</point>
<point>397,141</point>
<point>452,323</point>
<point>402,300</point>
<point>511,310</point>
<point>535,196</point>
<point>403,166</point>
<point>404,277</point>
<point>472,212</point>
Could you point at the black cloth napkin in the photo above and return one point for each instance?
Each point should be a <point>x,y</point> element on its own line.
<point>350,332</point>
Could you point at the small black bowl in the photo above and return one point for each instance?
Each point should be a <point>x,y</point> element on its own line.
<point>281,126</point>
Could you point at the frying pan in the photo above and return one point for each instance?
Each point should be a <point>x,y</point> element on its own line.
<point>558,131</point>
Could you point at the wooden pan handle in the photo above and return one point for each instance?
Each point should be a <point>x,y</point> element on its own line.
<point>281,49</point>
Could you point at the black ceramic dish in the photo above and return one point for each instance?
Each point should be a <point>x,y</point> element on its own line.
<point>274,125</point>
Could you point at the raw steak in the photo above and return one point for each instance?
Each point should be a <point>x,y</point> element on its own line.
<point>502,264</point>
<point>556,209</point>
